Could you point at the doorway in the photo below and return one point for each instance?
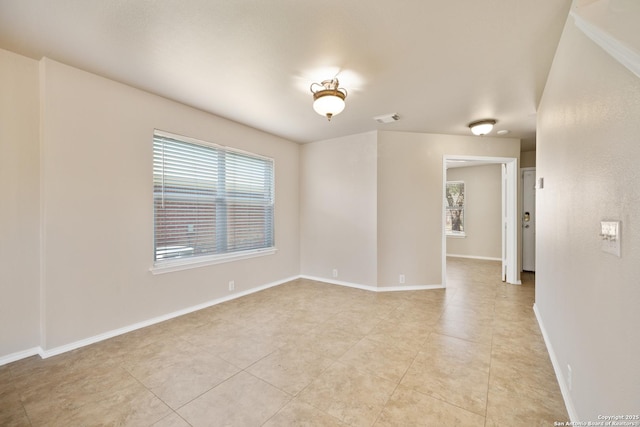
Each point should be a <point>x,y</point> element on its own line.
<point>509,238</point>
<point>528,219</point>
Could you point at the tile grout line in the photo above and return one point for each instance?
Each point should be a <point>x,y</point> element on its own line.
<point>486,405</point>
<point>399,382</point>
<point>153,393</point>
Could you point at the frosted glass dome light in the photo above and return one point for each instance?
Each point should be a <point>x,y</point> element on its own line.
<point>482,127</point>
<point>328,98</point>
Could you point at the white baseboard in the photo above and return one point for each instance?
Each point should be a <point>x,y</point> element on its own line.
<point>19,355</point>
<point>114,333</point>
<point>373,288</point>
<point>120,331</point>
<point>474,257</point>
<point>564,388</point>
<point>516,282</point>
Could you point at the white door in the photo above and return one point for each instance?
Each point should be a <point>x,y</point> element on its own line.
<point>529,220</point>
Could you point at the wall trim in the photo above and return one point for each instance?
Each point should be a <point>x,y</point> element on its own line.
<point>44,354</point>
<point>9,358</point>
<point>516,282</point>
<point>373,288</point>
<point>180,264</point>
<point>587,19</point>
<point>120,331</point>
<point>486,258</point>
<point>564,388</point>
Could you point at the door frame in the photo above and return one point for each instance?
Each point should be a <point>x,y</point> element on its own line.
<point>510,212</point>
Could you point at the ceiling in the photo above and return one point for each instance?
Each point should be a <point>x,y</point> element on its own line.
<point>438,64</point>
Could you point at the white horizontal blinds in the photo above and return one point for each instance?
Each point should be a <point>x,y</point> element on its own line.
<point>209,200</point>
<point>185,183</point>
<point>249,199</point>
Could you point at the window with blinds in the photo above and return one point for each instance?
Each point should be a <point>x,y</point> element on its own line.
<point>209,200</point>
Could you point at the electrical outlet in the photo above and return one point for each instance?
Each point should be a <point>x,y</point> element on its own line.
<point>232,285</point>
<point>335,273</point>
<point>569,377</point>
<point>401,279</point>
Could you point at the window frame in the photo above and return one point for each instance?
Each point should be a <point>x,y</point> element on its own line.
<point>182,263</point>
<point>452,233</point>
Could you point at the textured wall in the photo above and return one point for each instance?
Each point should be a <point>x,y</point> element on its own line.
<point>588,152</point>
<point>483,212</point>
<point>528,159</point>
<point>20,204</point>
<point>98,209</point>
<point>338,209</point>
<point>410,199</point>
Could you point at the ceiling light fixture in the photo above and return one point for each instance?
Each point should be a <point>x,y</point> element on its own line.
<point>482,127</point>
<point>328,98</point>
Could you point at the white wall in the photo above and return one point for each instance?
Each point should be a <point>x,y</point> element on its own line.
<point>410,199</point>
<point>98,217</point>
<point>338,209</point>
<point>588,301</point>
<point>371,205</point>
<point>96,209</point>
<point>94,166</point>
<point>483,212</point>
<point>528,159</point>
<point>20,204</point>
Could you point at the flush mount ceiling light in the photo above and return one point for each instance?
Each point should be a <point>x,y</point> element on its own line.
<point>482,127</point>
<point>328,98</point>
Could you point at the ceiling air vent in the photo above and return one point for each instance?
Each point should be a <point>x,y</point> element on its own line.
<point>387,118</point>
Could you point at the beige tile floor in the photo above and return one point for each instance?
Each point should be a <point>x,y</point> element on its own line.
<point>313,354</point>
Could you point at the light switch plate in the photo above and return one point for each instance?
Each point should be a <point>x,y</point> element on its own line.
<point>610,236</point>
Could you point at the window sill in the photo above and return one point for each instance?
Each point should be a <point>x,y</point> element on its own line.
<point>457,235</point>
<point>171,265</point>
